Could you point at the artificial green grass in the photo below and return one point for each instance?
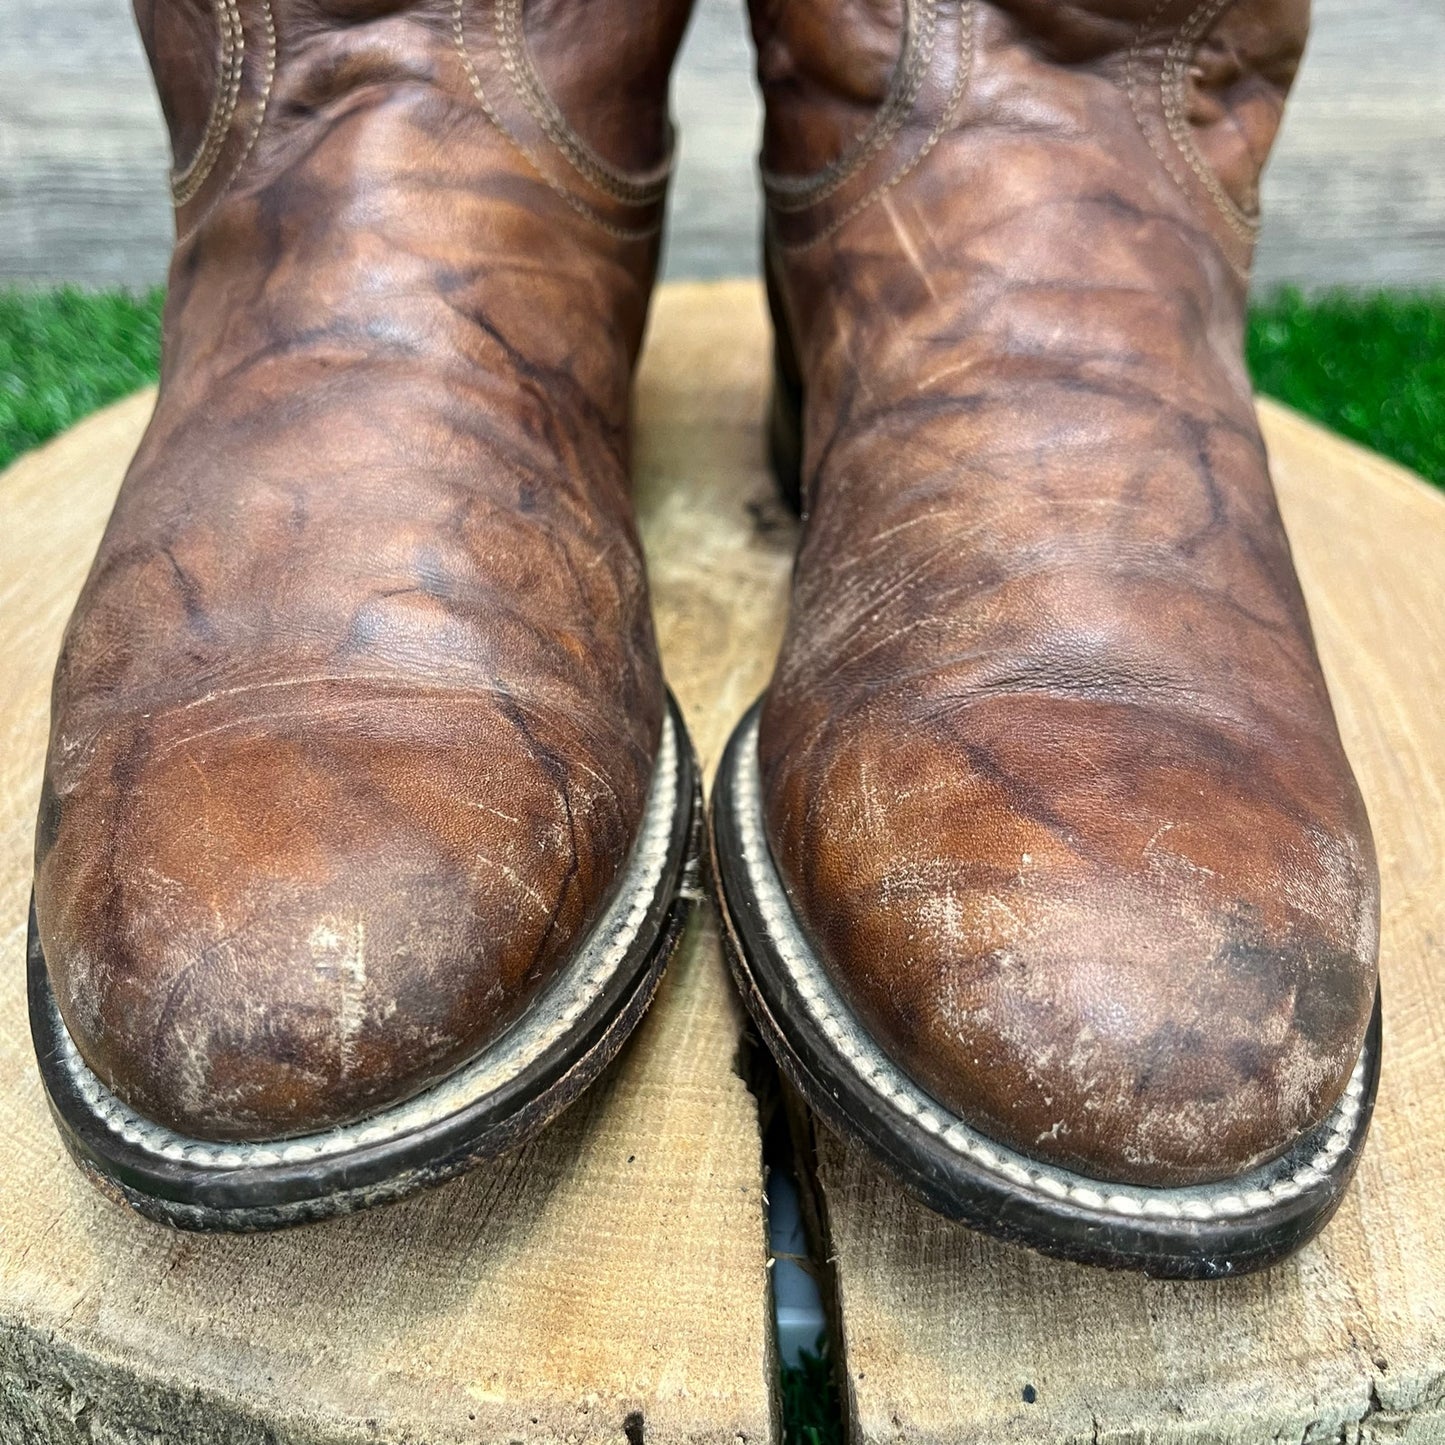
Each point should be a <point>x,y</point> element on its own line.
<point>811,1411</point>
<point>1371,367</point>
<point>65,353</point>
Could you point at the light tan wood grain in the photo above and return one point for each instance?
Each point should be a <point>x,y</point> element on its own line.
<point>942,1330</point>
<point>613,1269</point>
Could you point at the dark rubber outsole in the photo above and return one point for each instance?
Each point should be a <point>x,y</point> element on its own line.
<point>418,1143</point>
<point>1203,1232</point>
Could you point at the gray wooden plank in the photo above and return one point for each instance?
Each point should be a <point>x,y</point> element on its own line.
<point>1356,192</point>
<point>82,149</point>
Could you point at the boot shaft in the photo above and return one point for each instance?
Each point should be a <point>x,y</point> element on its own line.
<point>578,87</point>
<point>862,88</point>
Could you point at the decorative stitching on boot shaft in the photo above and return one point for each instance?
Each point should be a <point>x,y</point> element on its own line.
<point>963,67</point>
<point>512,42</point>
<point>795,193</point>
<point>187,180</point>
<point>575,202</point>
<point>1171,81</point>
<point>253,130</point>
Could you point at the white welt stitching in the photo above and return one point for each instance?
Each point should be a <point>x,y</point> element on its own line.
<point>1255,1192</point>
<point>553,1014</point>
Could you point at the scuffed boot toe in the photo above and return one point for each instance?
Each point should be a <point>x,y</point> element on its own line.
<point>1104,1024</point>
<point>301,930</point>
<point>1155,971</point>
<point>1140,1032</point>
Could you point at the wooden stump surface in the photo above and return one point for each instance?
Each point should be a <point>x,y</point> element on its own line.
<point>610,1278</point>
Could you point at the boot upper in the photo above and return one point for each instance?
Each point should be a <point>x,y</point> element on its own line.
<point>1050,769</point>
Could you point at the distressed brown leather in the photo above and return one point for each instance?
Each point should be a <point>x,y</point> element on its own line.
<point>1050,769</point>
<point>356,716</point>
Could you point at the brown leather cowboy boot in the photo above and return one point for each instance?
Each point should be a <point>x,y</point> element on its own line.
<point>365,812</point>
<point>1048,875</point>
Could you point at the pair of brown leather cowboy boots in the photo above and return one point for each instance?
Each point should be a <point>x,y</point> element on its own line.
<point>367,818</point>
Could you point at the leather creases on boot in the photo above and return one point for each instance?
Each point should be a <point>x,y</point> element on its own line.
<point>363,789</point>
<point>1050,842</point>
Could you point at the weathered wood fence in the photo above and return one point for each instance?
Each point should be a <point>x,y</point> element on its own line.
<point>1356,195</point>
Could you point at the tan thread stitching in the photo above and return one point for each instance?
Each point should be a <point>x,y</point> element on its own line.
<point>512,41</point>
<point>1172,83</point>
<point>576,203</point>
<point>188,180</point>
<point>1131,86</point>
<point>252,131</point>
<point>803,191</point>
<point>1243,228</point>
<point>963,69</point>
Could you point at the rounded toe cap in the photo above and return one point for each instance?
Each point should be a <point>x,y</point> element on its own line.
<point>264,931</point>
<point>1143,974</point>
